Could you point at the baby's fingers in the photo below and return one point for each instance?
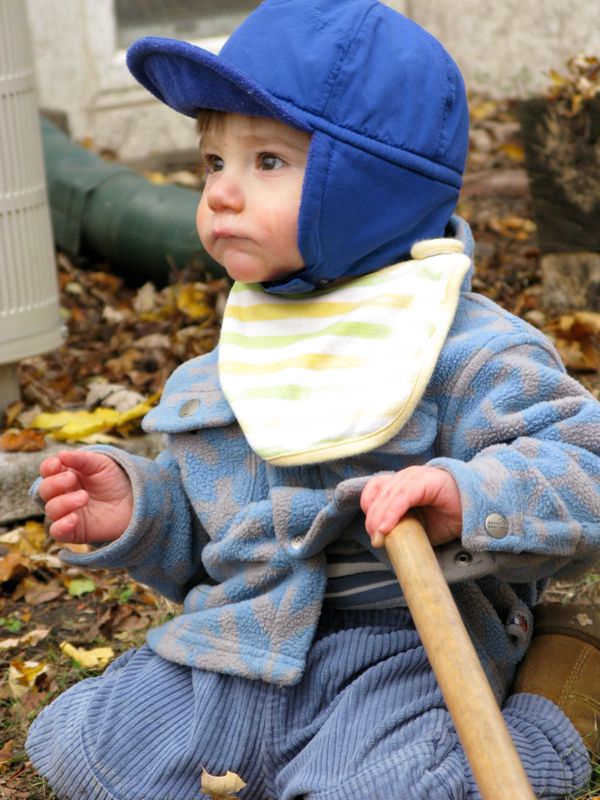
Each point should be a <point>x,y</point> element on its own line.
<point>372,490</point>
<point>63,530</point>
<point>51,466</point>
<point>384,516</point>
<point>57,484</point>
<point>64,504</point>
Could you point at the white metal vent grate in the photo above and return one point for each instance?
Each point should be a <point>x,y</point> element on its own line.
<point>29,313</point>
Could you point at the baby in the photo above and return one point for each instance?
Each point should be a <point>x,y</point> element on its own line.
<point>356,378</point>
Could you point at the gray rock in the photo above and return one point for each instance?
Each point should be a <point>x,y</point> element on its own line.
<point>19,470</point>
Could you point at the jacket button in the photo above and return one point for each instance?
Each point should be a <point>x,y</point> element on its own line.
<point>189,407</point>
<point>496,525</point>
<point>297,542</point>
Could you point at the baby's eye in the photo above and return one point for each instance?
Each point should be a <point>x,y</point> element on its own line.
<point>212,163</point>
<point>269,161</point>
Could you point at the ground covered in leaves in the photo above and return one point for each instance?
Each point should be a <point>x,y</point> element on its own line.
<point>57,624</point>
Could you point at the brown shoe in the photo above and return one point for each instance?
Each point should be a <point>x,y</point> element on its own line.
<point>563,664</point>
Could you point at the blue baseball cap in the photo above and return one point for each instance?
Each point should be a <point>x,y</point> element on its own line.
<point>383,100</point>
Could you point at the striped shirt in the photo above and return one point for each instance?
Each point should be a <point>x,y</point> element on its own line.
<point>357,579</point>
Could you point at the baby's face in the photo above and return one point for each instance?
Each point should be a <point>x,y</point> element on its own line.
<point>248,213</point>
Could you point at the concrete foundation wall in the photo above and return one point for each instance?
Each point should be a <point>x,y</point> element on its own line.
<point>502,48</point>
<point>508,48</point>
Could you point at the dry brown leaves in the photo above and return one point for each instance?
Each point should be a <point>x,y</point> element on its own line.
<point>577,338</point>
<point>128,339</point>
<point>494,136</point>
<point>571,92</point>
<point>57,625</point>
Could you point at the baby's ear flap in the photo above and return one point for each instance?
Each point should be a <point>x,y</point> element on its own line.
<point>360,211</point>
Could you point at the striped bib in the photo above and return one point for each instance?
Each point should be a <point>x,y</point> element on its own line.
<point>337,372</point>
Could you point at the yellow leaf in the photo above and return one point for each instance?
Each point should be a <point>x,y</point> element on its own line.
<point>29,538</point>
<point>513,150</point>
<point>221,787</point>
<point>22,676</point>
<point>156,177</point>
<point>556,78</point>
<point>137,411</point>
<point>83,423</point>
<point>191,299</point>
<point>483,110</point>
<point>75,426</point>
<point>47,421</point>
<point>70,425</point>
<point>91,659</point>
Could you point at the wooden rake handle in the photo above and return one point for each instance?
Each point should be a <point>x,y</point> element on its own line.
<point>469,698</point>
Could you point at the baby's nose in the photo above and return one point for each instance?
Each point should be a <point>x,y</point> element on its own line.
<point>224,194</point>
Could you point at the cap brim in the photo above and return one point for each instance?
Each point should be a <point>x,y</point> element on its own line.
<point>188,78</point>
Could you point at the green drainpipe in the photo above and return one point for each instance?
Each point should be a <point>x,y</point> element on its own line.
<point>103,208</point>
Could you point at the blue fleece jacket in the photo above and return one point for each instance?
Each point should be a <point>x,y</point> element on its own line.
<point>242,542</point>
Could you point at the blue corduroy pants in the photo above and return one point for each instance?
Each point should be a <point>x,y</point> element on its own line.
<point>366,721</point>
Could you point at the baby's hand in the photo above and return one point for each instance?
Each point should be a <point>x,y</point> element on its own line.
<point>88,496</point>
<point>387,498</point>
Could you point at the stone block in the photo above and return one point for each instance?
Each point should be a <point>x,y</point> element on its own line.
<point>19,470</point>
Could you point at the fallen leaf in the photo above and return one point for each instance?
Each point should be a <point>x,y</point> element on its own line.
<point>577,337</point>
<point>482,109</point>
<point>6,753</point>
<point>112,395</point>
<point>113,315</point>
<point>191,299</point>
<point>513,150</point>
<point>12,565</point>
<point>12,411</point>
<point>79,586</point>
<point>120,620</point>
<point>46,560</point>
<point>31,638</point>
<point>184,177</point>
<point>73,426</point>
<point>24,675</point>
<point>77,548</point>
<point>18,440</point>
<point>37,593</point>
<point>97,658</point>
<point>29,539</point>
<point>100,438</point>
<point>156,177</point>
<point>70,425</point>
<point>221,787</point>
<point>146,299</point>
<point>10,537</point>
<point>34,637</point>
<point>9,644</point>
<point>588,322</point>
<point>513,227</point>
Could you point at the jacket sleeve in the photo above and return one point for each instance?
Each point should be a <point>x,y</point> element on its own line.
<point>162,546</point>
<point>522,441</point>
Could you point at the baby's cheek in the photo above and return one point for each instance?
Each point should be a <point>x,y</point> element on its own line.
<point>202,222</point>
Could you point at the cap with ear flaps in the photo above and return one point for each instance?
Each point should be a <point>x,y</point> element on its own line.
<point>383,100</point>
